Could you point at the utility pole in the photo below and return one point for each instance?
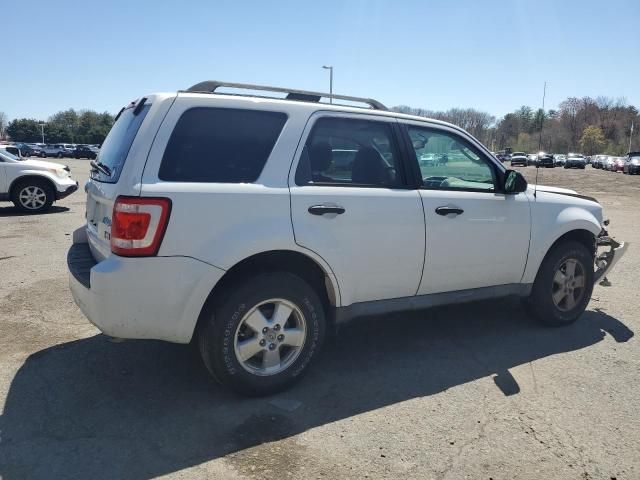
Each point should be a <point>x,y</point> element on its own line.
<point>330,68</point>
<point>630,137</point>
<point>544,94</point>
<point>42,130</point>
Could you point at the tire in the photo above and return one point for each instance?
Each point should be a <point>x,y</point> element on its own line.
<point>541,303</point>
<point>228,320</point>
<point>59,155</point>
<point>32,196</point>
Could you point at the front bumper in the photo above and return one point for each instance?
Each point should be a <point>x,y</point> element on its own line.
<point>68,190</point>
<point>606,261</point>
<point>156,298</point>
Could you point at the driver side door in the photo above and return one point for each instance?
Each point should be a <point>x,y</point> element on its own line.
<point>476,235</point>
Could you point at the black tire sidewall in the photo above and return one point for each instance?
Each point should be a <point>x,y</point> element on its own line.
<point>541,300</point>
<point>32,183</point>
<point>217,335</point>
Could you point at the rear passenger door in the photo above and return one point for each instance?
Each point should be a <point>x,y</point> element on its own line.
<point>351,204</point>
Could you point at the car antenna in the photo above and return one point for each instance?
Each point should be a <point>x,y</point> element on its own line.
<point>535,186</point>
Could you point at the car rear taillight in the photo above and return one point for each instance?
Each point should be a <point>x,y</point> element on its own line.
<point>138,225</point>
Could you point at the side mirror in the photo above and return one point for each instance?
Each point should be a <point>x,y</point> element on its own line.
<point>514,182</point>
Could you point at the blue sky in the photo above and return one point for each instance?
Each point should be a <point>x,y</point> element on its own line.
<point>490,55</point>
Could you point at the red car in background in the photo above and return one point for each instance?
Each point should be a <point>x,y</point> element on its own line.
<point>618,164</point>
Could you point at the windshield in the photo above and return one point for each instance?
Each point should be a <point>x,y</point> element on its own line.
<point>6,156</point>
<point>116,146</point>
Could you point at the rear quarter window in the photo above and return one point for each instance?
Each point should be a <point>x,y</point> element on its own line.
<point>220,145</point>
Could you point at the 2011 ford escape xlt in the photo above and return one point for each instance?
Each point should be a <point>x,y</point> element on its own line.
<point>252,224</point>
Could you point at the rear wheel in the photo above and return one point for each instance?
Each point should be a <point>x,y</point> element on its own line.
<point>59,155</point>
<point>563,286</point>
<point>262,334</point>
<point>33,196</point>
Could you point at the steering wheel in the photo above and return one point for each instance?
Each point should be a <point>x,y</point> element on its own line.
<point>433,182</point>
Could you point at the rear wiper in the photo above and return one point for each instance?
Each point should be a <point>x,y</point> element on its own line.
<point>101,167</point>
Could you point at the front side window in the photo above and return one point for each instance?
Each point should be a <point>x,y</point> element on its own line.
<point>220,145</point>
<point>448,162</point>
<point>350,152</point>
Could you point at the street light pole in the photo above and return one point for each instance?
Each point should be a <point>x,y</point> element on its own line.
<point>42,130</point>
<point>330,68</point>
<point>630,137</point>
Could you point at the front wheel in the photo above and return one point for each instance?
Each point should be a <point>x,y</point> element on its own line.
<point>263,333</point>
<point>33,196</point>
<point>563,286</point>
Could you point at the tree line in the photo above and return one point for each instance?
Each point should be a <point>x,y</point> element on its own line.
<point>588,125</point>
<point>68,126</point>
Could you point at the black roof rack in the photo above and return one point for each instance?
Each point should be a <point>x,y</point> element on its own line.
<point>210,86</point>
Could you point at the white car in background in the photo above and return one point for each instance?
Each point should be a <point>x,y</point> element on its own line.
<point>33,185</point>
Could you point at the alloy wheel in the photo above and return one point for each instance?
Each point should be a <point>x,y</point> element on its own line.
<point>270,337</point>
<point>32,197</point>
<point>568,285</point>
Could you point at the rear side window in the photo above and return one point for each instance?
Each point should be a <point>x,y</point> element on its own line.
<point>350,152</point>
<point>116,146</point>
<point>220,145</point>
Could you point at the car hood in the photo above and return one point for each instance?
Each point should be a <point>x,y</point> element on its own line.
<point>544,188</point>
<point>561,191</point>
<point>40,164</point>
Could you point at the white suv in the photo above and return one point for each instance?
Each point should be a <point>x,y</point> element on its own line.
<point>33,185</point>
<point>253,224</point>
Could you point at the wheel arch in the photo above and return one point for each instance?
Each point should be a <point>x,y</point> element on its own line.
<point>581,233</point>
<point>32,176</point>
<point>291,261</point>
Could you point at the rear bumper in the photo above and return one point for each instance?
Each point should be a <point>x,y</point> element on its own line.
<point>140,298</point>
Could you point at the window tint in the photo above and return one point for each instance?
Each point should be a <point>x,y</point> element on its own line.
<point>345,151</point>
<point>118,143</point>
<point>220,145</point>
<point>447,162</point>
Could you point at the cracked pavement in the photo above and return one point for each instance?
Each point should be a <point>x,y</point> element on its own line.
<point>475,391</point>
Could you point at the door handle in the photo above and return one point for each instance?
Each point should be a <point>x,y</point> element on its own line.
<point>448,210</point>
<point>323,209</point>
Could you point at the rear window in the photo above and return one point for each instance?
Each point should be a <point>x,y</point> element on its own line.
<point>220,145</point>
<point>116,146</point>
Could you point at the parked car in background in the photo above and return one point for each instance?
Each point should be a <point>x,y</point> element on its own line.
<point>518,159</point>
<point>257,289</point>
<point>575,160</point>
<point>559,159</point>
<point>85,151</point>
<point>545,160</point>
<point>618,164</point>
<point>532,159</point>
<point>34,150</point>
<point>33,185</point>
<point>597,161</point>
<point>607,163</point>
<point>632,163</point>
<point>58,150</point>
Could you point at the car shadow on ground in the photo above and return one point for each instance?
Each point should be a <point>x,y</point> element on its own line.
<point>14,212</point>
<point>97,409</point>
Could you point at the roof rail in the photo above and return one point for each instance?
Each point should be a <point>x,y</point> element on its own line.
<point>210,86</point>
